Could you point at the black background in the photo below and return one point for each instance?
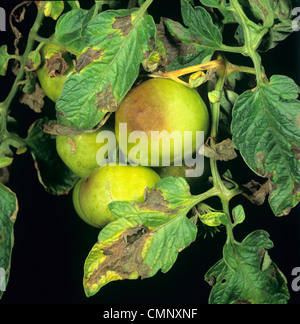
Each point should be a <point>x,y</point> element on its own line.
<point>51,242</point>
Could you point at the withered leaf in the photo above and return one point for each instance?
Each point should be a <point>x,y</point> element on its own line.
<point>56,65</point>
<point>258,191</point>
<point>223,151</point>
<point>54,128</point>
<point>34,100</point>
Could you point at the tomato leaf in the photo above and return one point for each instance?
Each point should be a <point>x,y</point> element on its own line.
<point>188,50</point>
<point>53,9</point>
<point>201,25</point>
<point>8,214</point>
<point>118,42</point>
<point>145,238</point>
<point>4,58</point>
<point>53,174</point>
<point>266,130</point>
<point>68,29</point>
<point>247,275</point>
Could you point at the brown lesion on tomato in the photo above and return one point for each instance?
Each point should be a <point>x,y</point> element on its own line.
<point>106,101</point>
<point>56,65</point>
<point>72,144</point>
<point>87,57</point>
<point>124,24</point>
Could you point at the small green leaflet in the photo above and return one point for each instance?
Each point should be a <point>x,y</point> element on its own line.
<point>247,275</point>
<point>4,58</point>
<point>118,42</point>
<point>145,238</point>
<point>8,214</point>
<point>266,130</point>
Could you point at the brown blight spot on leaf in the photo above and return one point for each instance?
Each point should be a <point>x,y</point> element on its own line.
<point>106,101</point>
<point>87,57</point>
<point>296,151</point>
<point>154,200</point>
<point>123,24</point>
<point>124,256</point>
<point>243,302</point>
<point>211,281</point>
<point>56,65</point>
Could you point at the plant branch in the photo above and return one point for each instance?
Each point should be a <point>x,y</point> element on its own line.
<point>250,44</point>
<point>5,105</point>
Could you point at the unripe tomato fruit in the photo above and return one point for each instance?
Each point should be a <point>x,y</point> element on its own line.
<point>112,183</point>
<point>79,152</point>
<point>53,86</point>
<point>196,183</point>
<point>76,204</point>
<point>161,105</point>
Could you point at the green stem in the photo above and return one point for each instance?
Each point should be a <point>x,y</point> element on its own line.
<point>224,194</point>
<point>145,6</point>
<point>23,60</point>
<point>48,41</point>
<point>250,45</point>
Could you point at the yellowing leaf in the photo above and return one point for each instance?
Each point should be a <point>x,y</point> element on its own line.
<point>53,9</point>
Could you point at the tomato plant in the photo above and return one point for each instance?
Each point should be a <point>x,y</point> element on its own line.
<point>221,231</point>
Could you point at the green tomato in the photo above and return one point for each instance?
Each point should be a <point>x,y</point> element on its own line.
<point>162,106</point>
<point>113,183</point>
<point>53,86</point>
<point>76,204</point>
<point>79,152</point>
<point>196,184</point>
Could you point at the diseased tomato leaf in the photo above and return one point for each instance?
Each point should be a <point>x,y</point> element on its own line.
<point>187,50</point>
<point>145,238</point>
<point>266,130</point>
<point>8,213</point>
<point>53,174</point>
<point>247,275</point>
<point>118,42</point>
<point>201,25</point>
<point>53,9</point>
